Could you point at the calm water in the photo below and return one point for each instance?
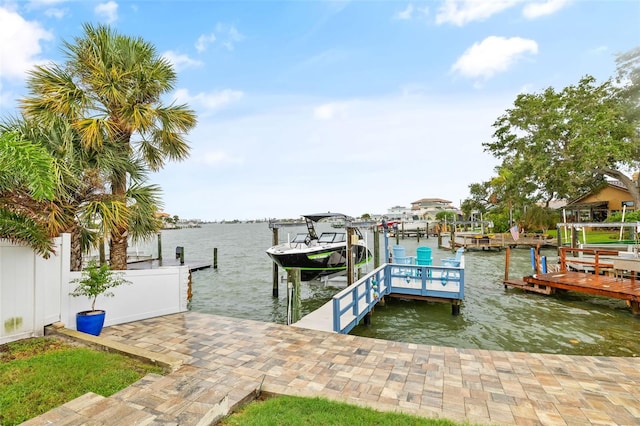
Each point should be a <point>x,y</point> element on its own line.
<point>491,317</point>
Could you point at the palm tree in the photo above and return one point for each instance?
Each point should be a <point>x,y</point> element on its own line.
<point>27,181</point>
<point>82,204</point>
<point>109,90</point>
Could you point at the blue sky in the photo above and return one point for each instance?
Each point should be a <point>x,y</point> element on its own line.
<point>343,106</point>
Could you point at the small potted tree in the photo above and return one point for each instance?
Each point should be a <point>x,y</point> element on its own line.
<point>96,280</point>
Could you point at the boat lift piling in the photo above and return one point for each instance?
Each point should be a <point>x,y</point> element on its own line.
<point>274,241</point>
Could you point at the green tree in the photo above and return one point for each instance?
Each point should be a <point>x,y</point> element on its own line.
<point>82,204</point>
<point>27,181</point>
<point>565,142</point>
<point>110,90</point>
<point>538,218</point>
<point>443,215</point>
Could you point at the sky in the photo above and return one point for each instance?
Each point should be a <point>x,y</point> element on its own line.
<point>343,106</point>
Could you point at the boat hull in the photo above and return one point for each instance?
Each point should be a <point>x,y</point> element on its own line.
<point>319,262</point>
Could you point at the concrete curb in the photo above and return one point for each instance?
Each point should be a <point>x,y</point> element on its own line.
<point>168,362</point>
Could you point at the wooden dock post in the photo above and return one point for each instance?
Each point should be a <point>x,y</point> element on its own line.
<point>455,307</point>
<point>506,265</point>
<point>274,241</point>
<point>376,247</point>
<point>294,301</point>
<point>160,248</point>
<point>453,239</point>
<point>350,256</point>
<point>215,258</point>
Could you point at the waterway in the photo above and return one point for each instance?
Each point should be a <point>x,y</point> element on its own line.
<point>491,317</point>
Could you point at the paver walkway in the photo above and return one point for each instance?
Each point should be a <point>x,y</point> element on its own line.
<point>227,359</point>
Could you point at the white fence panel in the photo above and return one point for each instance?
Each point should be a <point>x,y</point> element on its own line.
<point>153,292</point>
<point>34,292</point>
<point>30,289</point>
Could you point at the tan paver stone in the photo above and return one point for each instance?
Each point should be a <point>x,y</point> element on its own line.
<point>550,418</point>
<point>228,356</point>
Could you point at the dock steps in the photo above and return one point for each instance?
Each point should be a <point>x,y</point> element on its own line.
<point>530,287</point>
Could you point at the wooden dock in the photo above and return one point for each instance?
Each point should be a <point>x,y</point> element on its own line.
<point>497,242</point>
<point>612,278</point>
<point>600,285</point>
<point>194,265</point>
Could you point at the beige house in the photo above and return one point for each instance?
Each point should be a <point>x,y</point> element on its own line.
<point>597,206</point>
<point>428,208</point>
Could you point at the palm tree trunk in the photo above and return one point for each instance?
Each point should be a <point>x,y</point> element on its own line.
<point>119,235</point>
<point>76,248</point>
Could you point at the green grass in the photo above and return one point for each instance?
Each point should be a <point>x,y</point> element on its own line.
<point>37,375</point>
<point>290,410</point>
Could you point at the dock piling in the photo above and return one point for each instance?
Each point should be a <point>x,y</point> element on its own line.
<point>215,258</point>
<point>180,254</point>
<point>274,241</point>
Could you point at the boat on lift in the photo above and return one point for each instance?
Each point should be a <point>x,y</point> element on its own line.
<point>319,256</point>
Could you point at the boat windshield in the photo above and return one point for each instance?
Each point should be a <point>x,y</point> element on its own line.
<point>300,238</point>
<point>332,237</point>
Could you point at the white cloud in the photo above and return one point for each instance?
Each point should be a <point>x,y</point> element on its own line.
<point>55,13</point>
<point>461,12</point>
<point>536,10</point>
<point>405,14</point>
<point>330,111</point>
<point>411,12</point>
<point>25,47</point>
<point>209,102</point>
<point>181,61</point>
<point>204,41</point>
<point>493,55</point>
<point>225,35</point>
<point>228,35</point>
<point>107,11</point>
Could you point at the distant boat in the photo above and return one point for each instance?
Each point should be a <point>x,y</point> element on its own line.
<point>318,256</point>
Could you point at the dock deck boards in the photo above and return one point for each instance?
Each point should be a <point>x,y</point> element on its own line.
<point>321,319</point>
<point>601,285</point>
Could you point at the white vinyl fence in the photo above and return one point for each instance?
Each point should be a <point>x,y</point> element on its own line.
<point>34,292</point>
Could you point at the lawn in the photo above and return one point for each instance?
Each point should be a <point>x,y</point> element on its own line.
<point>39,374</point>
<point>290,410</point>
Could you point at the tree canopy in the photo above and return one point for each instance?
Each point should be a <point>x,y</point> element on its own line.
<point>565,141</point>
<point>27,181</point>
<point>561,144</point>
<point>109,91</point>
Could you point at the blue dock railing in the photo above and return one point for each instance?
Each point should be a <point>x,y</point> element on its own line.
<point>350,305</point>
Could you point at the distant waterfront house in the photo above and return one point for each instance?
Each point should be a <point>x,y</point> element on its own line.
<point>428,208</point>
<point>400,213</point>
<point>596,206</point>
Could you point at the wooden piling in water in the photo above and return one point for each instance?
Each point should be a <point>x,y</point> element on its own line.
<point>376,247</point>
<point>294,301</point>
<point>215,258</point>
<point>160,248</point>
<point>350,256</point>
<point>506,265</point>
<point>274,241</point>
